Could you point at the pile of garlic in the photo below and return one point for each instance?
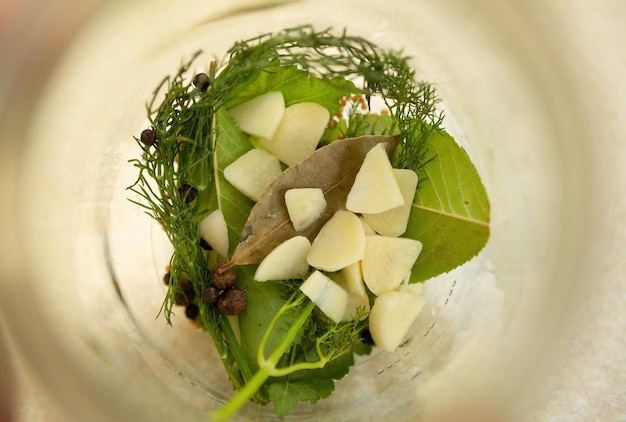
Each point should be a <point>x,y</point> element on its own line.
<point>361,244</point>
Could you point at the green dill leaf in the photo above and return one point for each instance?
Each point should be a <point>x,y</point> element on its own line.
<point>182,158</point>
<point>450,213</point>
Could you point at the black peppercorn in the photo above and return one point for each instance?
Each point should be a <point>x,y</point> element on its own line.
<point>192,311</point>
<point>187,287</point>
<point>223,276</point>
<point>188,193</point>
<point>209,295</point>
<point>148,137</point>
<point>180,299</point>
<point>232,302</point>
<point>366,337</point>
<point>187,293</point>
<point>202,81</point>
<point>204,245</point>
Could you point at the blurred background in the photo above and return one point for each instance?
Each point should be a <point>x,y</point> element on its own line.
<point>585,377</point>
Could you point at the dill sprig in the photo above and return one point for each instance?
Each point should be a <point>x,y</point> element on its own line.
<point>179,158</point>
<point>180,161</point>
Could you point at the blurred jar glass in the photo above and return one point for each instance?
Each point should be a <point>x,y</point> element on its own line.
<point>82,266</point>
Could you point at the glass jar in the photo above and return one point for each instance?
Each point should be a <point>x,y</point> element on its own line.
<point>82,265</point>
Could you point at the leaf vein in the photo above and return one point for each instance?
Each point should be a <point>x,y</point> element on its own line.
<point>451,215</point>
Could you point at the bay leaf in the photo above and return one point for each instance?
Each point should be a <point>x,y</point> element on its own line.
<point>451,211</point>
<point>331,168</point>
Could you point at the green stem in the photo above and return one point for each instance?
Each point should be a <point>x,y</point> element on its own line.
<point>267,367</point>
<point>235,348</point>
<point>291,334</point>
<point>243,395</point>
<point>281,372</point>
<point>222,347</point>
<point>268,332</point>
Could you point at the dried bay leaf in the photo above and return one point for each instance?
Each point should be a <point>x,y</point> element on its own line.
<point>331,168</point>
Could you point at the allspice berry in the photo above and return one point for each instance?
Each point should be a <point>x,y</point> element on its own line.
<point>202,81</point>
<point>209,295</point>
<point>204,245</point>
<point>223,276</point>
<point>148,137</point>
<point>366,337</point>
<point>187,295</point>
<point>192,311</point>
<point>232,302</point>
<point>188,193</point>
<point>180,299</point>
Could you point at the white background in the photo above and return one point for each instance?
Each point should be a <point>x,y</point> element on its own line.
<point>587,380</point>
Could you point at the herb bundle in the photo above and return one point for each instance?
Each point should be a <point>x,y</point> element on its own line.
<point>288,351</point>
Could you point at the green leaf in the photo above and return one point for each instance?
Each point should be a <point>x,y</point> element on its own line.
<point>287,394</point>
<point>264,301</point>
<point>296,85</point>
<point>331,134</point>
<point>360,125</point>
<point>450,213</point>
<point>309,385</point>
<point>231,144</point>
<point>372,124</point>
<point>336,368</point>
